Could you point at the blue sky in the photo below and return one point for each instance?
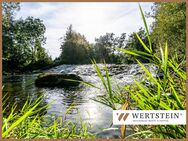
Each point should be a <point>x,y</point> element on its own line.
<point>90,19</point>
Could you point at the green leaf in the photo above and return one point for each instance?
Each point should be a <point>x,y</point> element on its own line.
<point>142,88</point>
<point>146,27</point>
<point>108,82</point>
<point>128,52</point>
<point>143,44</point>
<point>180,73</point>
<point>83,82</point>
<point>100,74</point>
<point>162,54</point>
<point>177,98</point>
<point>164,105</point>
<point>140,133</point>
<point>17,122</point>
<point>137,53</point>
<point>148,73</point>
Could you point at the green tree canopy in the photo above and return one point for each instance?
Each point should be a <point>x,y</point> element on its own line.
<point>105,47</point>
<point>75,49</point>
<point>170,25</point>
<point>22,39</point>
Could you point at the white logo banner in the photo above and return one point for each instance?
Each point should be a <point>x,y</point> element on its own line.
<point>149,117</point>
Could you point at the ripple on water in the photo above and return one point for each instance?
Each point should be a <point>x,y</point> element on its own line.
<point>96,114</point>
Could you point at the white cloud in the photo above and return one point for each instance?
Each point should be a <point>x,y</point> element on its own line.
<point>90,19</point>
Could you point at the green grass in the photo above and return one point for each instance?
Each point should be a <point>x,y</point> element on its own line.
<point>29,124</point>
<point>159,93</point>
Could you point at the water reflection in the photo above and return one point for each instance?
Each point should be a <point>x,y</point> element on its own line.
<point>20,87</point>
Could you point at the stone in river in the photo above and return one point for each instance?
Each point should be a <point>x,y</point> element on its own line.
<point>57,80</point>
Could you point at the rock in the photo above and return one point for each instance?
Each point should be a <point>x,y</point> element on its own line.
<point>57,80</point>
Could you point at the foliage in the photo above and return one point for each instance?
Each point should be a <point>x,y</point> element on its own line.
<point>74,48</point>
<point>22,40</point>
<point>29,124</point>
<point>113,97</point>
<point>9,10</point>
<point>170,25</point>
<point>166,92</point>
<point>105,47</point>
<point>134,44</point>
<point>164,47</point>
<point>102,50</point>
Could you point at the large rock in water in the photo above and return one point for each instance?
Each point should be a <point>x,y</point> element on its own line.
<point>57,80</point>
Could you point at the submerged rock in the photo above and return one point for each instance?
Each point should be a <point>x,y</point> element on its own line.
<point>57,80</point>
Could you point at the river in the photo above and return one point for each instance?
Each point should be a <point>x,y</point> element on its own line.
<point>98,116</point>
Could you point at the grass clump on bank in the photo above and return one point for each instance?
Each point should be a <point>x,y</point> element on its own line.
<point>164,92</point>
<point>29,124</point>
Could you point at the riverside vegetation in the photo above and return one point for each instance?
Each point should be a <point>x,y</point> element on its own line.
<point>151,93</point>
<point>29,124</point>
<point>23,40</point>
<point>160,92</point>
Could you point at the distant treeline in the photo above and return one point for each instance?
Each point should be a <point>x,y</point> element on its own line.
<point>23,40</point>
<point>75,49</point>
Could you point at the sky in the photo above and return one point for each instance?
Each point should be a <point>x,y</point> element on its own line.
<point>90,19</point>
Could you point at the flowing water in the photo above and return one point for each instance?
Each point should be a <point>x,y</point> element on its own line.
<point>98,116</point>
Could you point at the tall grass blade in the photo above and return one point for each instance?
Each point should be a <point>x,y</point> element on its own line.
<point>143,44</point>
<point>148,73</point>
<point>16,123</point>
<point>83,82</point>
<point>146,27</point>
<point>179,72</point>
<point>108,82</point>
<point>177,98</point>
<point>99,74</point>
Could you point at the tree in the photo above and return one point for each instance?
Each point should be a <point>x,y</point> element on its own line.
<point>28,33</point>
<point>75,49</point>
<point>20,39</point>
<point>40,60</point>
<point>169,25</point>
<point>105,47</point>
<point>9,10</point>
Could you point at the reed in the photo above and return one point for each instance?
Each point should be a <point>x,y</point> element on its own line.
<point>166,92</point>
<point>29,124</point>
